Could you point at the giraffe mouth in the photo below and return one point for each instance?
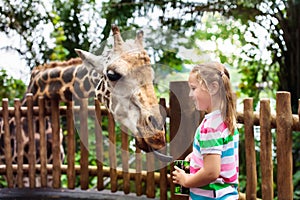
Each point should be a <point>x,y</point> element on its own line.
<point>149,145</point>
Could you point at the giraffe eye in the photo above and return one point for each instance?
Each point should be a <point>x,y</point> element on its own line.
<point>113,76</point>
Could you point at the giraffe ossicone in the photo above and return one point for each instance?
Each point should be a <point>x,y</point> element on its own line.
<point>126,88</point>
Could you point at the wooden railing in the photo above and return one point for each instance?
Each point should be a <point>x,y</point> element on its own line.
<point>147,174</point>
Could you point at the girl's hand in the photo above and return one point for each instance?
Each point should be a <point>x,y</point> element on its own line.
<point>179,176</point>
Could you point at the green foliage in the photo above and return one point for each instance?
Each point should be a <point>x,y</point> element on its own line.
<point>59,51</point>
<point>10,88</point>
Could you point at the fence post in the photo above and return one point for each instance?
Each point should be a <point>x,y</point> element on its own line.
<point>284,122</point>
<point>32,148</point>
<point>163,182</point>
<point>43,144</point>
<point>112,153</point>
<point>71,176</point>
<point>20,143</point>
<point>125,159</point>
<point>138,174</point>
<point>99,144</point>
<point>84,144</point>
<point>7,144</point>
<point>266,162</point>
<point>250,150</point>
<point>55,125</point>
<point>150,183</point>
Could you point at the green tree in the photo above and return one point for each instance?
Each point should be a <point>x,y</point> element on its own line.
<point>10,88</point>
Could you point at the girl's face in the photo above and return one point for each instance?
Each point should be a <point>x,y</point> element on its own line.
<point>199,94</point>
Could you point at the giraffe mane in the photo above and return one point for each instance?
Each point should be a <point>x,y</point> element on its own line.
<point>53,64</point>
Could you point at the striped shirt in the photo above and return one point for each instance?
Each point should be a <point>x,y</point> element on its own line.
<point>212,137</point>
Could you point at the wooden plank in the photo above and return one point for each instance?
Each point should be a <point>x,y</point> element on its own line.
<point>71,145</point>
<point>163,183</point>
<point>31,138</point>
<point>150,184</point>
<point>112,153</point>
<point>20,144</point>
<point>43,143</point>
<point>284,144</point>
<point>266,162</point>
<point>184,120</point>
<point>84,145</point>
<point>56,173</point>
<point>138,168</point>
<point>99,145</point>
<point>125,160</point>
<point>250,150</point>
<point>92,170</point>
<point>7,144</point>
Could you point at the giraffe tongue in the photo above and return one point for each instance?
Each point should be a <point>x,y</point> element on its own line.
<point>162,157</point>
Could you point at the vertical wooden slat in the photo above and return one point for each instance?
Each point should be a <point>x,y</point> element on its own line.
<point>250,150</point>
<point>20,144</point>
<point>84,153</point>
<point>150,183</point>
<point>56,173</point>
<point>125,159</point>
<point>71,145</point>
<point>284,122</point>
<point>138,175</point>
<point>163,182</point>
<point>7,144</point>
<point>112,153</point>
<point>32,148</point>
<point>43,144</point>
<point>99,145</point>
<point>266,162</point>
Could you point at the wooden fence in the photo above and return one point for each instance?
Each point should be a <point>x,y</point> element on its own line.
<point>183,119</point>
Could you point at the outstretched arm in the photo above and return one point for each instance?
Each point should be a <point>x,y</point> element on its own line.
<point>207,174</point>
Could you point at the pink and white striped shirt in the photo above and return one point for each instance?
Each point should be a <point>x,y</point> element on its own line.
<point>213,137</point>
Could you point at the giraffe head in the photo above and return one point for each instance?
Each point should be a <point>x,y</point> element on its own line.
<point>127,89</point>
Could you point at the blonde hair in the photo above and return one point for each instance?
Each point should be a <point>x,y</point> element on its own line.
<point>214,71</point>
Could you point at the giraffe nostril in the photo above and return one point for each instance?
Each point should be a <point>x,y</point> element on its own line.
<point>153,121</point>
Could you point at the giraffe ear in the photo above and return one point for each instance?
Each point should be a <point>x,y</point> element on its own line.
<point>139,39</point>
<point>91,60</point>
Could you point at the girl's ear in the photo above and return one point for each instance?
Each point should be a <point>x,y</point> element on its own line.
<point>213,88</point>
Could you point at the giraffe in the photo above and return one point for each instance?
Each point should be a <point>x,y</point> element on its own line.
<point>121,78</point>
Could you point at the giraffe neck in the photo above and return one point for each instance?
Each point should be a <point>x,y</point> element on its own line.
<point>64,82</point>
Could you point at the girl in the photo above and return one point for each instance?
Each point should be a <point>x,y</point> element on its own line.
<point>214,159</point>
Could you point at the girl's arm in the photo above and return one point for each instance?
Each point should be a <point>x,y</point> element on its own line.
<point>209,173</point>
